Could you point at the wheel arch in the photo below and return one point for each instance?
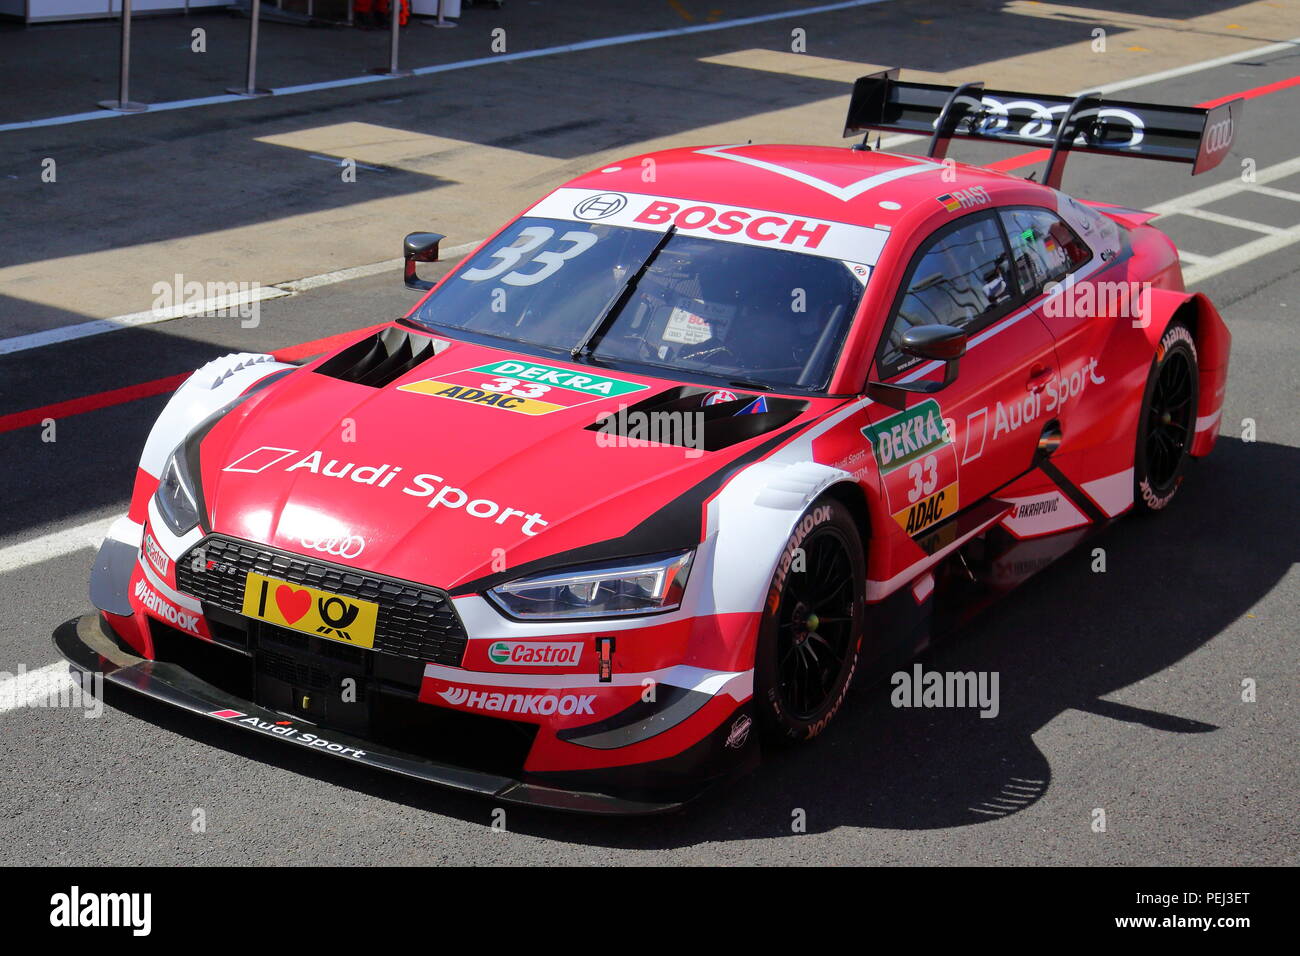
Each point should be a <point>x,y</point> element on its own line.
<point>752,519</point>
<point>203,393</point>
<point>851,495</point>
<point>1213,348</point>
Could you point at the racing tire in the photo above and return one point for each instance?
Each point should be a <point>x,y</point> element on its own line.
<point>812,628</point>
<point>1167,420</point>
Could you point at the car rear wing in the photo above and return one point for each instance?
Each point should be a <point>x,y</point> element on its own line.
<point>1087,123</point>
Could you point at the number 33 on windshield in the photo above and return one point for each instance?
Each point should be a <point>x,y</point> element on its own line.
<point>533,237</point>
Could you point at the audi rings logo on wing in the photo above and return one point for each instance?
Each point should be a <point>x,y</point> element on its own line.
<point>341,546</point>
<point>1218,136</point>
<point>600,207</point>
<point>1115,127</point>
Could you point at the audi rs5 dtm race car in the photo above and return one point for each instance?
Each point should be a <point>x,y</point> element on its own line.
<point>650,475</point>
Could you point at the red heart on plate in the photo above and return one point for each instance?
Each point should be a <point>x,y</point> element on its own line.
<point>292,604</point>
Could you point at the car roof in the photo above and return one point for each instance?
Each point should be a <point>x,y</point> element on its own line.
<point>861,187</point>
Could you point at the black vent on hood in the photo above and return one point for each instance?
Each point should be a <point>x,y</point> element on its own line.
<point>663,418</point>
<point>381,358</point>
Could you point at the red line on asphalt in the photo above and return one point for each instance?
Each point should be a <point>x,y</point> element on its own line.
<point>90,403</point>
<point>1019,160</point>
<point>159,386</point>
<point>1040,155</point>
<point>1251,94</point>
<point>292,353</point>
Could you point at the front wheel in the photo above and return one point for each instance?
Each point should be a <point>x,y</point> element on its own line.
<point>812,627</point>
<point>1168,420</point>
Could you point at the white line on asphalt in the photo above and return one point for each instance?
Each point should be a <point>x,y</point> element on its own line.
<point>66,333</point>
<point>596,44</point>
<point>56,545</point>
<point>449,254</point>
<point>39,685</point>
<point>1204,267</point>
<point>1177,71</point>
<point>1275,193</point>
<point>22,689</point>
<point>334,160</point>
<point>1234,221</point>
<point>341,275</point>
<point>1239,255</point>
<point>1229,187</point>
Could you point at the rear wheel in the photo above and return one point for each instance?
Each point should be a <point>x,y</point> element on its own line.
<point>812,626</point>
<point>1168,420</point>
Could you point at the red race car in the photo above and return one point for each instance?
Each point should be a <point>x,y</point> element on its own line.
<point>650,475</point>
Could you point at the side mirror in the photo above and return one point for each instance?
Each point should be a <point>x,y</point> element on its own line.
<point>938,343</point>
<point>419,247</point>
<point>941,343</point>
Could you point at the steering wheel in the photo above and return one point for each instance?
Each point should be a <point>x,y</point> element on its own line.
<point>700,353</point>
<point>631,341</point>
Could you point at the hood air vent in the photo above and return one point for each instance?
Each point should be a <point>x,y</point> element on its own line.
<point>381,358</point>
<point>679,416</point>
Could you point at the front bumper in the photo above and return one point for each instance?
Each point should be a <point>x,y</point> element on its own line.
<point>90,646</point>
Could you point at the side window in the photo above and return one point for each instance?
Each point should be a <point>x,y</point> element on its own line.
<point>1044,248</point>
<point>961,277</point>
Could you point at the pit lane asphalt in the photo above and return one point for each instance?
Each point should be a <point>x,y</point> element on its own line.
<point>1119,691</point>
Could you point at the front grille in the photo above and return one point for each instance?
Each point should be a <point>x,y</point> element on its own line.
<point>413,621</point>
<point>296,642</point>
<point>299,673</point>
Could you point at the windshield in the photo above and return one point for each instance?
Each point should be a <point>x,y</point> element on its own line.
<point>703,307</point>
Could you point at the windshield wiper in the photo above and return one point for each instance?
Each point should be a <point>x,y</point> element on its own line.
<point>755,386</point>
<point>598,328</point>
<point>439,328</point>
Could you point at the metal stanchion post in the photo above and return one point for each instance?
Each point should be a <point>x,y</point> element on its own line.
<point>250,88</point>
<point>440,23</point>
<point>394,16</point>
<point>123,102</point>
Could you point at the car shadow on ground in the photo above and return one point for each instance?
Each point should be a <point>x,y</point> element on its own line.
<point>1172,583</point>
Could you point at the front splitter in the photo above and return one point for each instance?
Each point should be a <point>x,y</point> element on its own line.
<point>90,647</point>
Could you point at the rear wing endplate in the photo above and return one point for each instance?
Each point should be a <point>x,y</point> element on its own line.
<point>1087,123</point>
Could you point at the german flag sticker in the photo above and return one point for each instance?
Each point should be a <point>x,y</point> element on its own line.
<point>950,202</point>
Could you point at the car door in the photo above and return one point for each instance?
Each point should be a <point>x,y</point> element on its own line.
<point>1079,313</point>
<point>952,449</point>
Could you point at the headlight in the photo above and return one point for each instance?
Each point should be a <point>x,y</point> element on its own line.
<point>637,586</point>
<point>175,497</point>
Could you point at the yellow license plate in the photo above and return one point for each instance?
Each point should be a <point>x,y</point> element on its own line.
<point>334,616</point>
